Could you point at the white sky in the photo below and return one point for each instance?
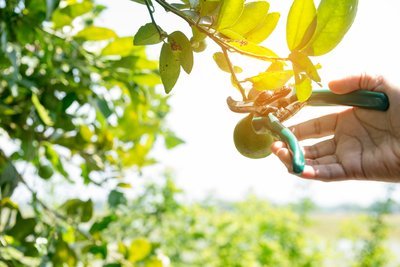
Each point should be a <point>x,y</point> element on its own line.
<point>208,163</point>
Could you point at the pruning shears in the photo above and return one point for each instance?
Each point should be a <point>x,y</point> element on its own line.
<point>271,108</point>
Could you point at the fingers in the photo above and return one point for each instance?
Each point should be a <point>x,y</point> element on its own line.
<point>325,168</point>
<point>321,149</point>
<point>324,172</point>
<point>355,82</point>
<point>315,128</point>
<point>282,152</point>
<point>330,159</point>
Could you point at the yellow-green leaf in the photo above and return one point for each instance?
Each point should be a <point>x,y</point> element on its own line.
<point>232,34</point>
<point>198,36</point>
<point>139,249</point>
<point>146,79</point>
<point>154,262</point>
<point>301,23</point>
<point>229,13</point>
<point>42,111</point>
<point>124,185</point>
<point>85,132</point>
<point>223,64</point>
<point>303,64</point>
<point>253,14</point>
<point>271,80</point>
<point>60,19</point>
<point>120,46</point>
<point>252,49</point>
<point>181,44</point>
<point>264,29</point>
<point>276,66</point>
<point>94,33</point>
<point>335,18</point>
<point>207,7</point>
<point>303,88</point>
<point>169,67</point>
<point>148,34</point>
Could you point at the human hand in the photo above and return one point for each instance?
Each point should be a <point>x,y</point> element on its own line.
<point>365,143</point>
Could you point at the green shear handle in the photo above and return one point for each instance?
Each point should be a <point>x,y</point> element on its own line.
<point>360,98</point>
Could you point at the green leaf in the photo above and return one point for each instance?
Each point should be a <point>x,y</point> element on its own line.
<point>252,49</point>
<point>172,141</point>
<point>271,80</point>
<point>54,158</point>
<point>335,18</point>
<point>63,255</point>
<point>116,198</point>
<point>303,88</point>
<point>124,185</point>
<point>264,29</point>
<point>303,64</point>
<point>103,223</point>
<point>104,108</point>
<point>229,13</point>
<point>223,64</point>
<point>120,46</point>
<point>78,9</point>
<point>197,36</point>
<point>41,110</point>
<point>148,34</point>
<point>170,67</point>
<point>207,7</point>
<point>253,15</point>
<point>100,250</point>
<point>94,33</point>
<point>51,5</point>
<point>301,23</point>
<point>82,210</point>
<point>147,79</point>
<point>22,228</point>
<point>139,249</point>
<point>9,177</point>
<point>85,132</point>
<point>181,44</point>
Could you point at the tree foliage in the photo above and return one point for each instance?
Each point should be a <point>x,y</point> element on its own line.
<point>240,27</point>
<point>77,102</point>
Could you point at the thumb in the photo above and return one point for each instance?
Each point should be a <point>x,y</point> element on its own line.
<point>355,82</point>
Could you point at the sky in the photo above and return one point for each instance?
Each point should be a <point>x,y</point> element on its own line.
<point>208,163</point>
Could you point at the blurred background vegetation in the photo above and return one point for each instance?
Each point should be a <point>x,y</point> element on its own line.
<point>81,105</point>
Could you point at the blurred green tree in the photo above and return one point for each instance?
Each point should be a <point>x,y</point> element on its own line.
<point>76,100</point>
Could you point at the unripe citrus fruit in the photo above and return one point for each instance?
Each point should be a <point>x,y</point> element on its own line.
<point>249,143</point>
<point>45,171</point>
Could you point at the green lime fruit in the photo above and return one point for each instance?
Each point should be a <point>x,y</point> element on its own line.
<point>249,143</point>
<point>45,171</point>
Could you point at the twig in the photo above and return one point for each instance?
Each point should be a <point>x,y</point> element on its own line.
<point>150,8</point>
<point>56,214</point>
<point>235,79</point>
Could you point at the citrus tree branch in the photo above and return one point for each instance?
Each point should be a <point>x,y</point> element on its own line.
<point>212,34</point>
<point>234,77</point>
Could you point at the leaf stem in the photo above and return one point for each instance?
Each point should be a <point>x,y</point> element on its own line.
<point>234,77</point>
<point>150,8</point>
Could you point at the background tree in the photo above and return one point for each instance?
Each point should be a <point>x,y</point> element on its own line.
<point>78,102</point>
